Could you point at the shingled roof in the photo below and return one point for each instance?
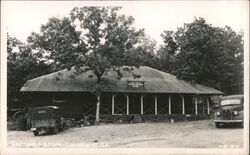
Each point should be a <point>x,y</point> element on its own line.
<point>155,81</point>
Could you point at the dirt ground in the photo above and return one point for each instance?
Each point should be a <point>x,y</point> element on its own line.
<point>196,134</point>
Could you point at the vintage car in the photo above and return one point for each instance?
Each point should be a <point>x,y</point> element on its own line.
<point>230,111</point>
<point>47,119</point>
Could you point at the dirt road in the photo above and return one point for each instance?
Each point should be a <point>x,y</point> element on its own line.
<point>197,134</point>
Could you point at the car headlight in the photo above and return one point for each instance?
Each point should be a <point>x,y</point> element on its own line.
<point>236,113</point>
<point>218,113</point>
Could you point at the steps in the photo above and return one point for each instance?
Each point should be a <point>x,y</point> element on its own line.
<point>136,119</point>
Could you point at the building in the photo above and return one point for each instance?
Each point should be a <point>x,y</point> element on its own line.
<point>155,95</point>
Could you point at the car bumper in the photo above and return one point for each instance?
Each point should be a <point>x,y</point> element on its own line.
<point>43,128</point>
<point>228,121</point>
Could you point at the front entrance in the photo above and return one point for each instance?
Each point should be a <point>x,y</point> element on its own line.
<point>134,104</point>
<point>176,104</point>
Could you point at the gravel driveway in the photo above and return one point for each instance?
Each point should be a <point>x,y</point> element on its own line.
<point>196,134</point>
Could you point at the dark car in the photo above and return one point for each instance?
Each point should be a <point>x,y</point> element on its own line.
<point>47,119</point>
<point>230,111</point>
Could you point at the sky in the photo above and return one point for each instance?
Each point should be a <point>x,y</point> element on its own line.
<point>23,17</point>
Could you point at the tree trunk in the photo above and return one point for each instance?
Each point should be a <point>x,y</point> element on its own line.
<point>97,117</point>
<point>98,95</point>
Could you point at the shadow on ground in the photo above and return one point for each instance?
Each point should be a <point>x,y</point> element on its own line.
<point>231,126</point>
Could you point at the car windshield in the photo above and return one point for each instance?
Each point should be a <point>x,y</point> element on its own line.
<point>230,102</point>
<point>41,114</point>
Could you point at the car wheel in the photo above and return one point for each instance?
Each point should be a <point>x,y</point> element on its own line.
<point>242,124</point>
<point>64,126</point>
<point>55,130</point>
<point>218,125</point>
<point>51,130</point>
<point>35,133</point>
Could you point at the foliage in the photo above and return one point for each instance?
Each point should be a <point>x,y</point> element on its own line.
<point>166,53</point>
<point>110,39</point>
<point>201,53</point>
<point>22,65</point>
<point>58,44</point>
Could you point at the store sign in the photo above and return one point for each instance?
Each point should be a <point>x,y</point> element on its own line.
<point>136,84</point>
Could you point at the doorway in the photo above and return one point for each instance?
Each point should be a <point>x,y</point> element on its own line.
<point>134,104</point>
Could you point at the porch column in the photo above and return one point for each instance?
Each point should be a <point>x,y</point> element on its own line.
<point>196,110</point>
<point>208,110</point>
<point>127,104</point>
<point>169,104</point>
<point>113,104</point>
<point>142,104</point>
<point>183,105</point>
<point>156,104</point>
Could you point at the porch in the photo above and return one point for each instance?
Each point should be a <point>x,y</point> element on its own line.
<point>154,106</point>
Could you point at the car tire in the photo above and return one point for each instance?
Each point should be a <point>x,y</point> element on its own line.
<point>51,130</point>
<point>64,126</point>
<point>242,125</point>
<point>55,130</point>
<point>35,133</point>
<point>218,125</point>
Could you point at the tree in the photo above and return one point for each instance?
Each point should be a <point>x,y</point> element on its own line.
<point>143,53</point>
<point>199,52</point>
<point>22,64</point>
<point>105,41</point>
<point>167,52</point>
<point>58,44</point>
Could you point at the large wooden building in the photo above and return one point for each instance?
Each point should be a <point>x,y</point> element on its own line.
<point>155,95</point>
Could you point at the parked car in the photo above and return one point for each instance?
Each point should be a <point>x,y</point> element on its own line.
<point>230,111</point>
<point>47,119</point>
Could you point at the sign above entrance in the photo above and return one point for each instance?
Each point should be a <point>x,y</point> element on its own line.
<point>135,84</point>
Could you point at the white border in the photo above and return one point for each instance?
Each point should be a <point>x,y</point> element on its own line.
<point>6,150</point>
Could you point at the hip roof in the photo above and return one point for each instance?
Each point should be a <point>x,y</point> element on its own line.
<point>155,81</point>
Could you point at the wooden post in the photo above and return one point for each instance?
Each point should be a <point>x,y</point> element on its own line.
<point>156,105</point>
<point>196,110</point>
<point>127,96</point>
<point>142,104</point>
<point>113,104</point>
<point>169,104</point>
<point>208,110</point>
<point>183,105</point>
